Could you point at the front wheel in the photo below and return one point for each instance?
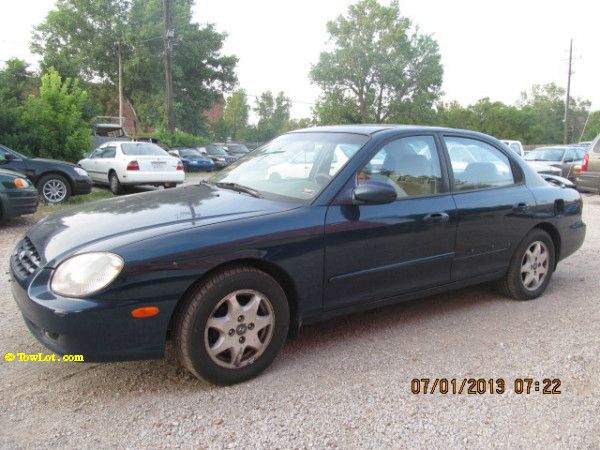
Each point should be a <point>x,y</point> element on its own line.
<point>531,267</point>
<point>233,326</point>
<point>54,188</point>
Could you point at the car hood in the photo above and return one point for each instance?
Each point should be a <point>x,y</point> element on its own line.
<point>53,162</point>
<point>107,224</point>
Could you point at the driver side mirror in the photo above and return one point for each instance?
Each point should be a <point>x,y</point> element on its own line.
<point>9,157</point>
<point>374,193</point>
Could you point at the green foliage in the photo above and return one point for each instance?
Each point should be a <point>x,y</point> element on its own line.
<point>80,38</point>
<point>55,122</point>
<point>235,116</point>
<point>273,116</point>
<point>180,139</point>
<point>379,65</point>
<point>592,128</point>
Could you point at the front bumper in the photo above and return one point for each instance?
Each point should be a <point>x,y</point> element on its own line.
<point>100,330</point>
<point>19,201</point>
<point>81,186</point>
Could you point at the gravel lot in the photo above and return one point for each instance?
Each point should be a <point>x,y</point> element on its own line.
<point>343,383</point>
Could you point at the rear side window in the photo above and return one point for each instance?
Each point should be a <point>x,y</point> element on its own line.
<point>411,165</point>
<point>596,145</point>
<point>477,165</point>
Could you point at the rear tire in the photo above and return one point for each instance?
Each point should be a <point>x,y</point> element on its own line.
<point>531,267</point>
<point>232,326</point>
<point>115,185</point>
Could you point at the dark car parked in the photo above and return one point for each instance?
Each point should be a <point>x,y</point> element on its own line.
<point>56,181</point>
<point>236,150</point>
<point>193,160</point>
<point>228,267</point>
<point>218,154</point>
<point>18,195</point>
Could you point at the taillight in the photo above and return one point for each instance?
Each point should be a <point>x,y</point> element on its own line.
<point>133,165</point>
<point>179,165</point>
<point>586,160</point>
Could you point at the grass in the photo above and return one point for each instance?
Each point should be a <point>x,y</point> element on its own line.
<point>73,201</point>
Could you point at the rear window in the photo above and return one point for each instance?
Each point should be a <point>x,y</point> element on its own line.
<point>142,149</point>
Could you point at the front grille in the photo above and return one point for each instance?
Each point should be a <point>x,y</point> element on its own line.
<point>26,259</point>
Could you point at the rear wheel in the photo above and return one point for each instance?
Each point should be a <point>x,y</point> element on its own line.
<point>531,267</point>
<point>233,326</point>
<point>115,185</point>
<point>54,188</point>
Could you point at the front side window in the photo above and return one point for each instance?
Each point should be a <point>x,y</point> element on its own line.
<point>296,165</point>
<point>477,165</point>
<point>411,165</point>
<point>142,149</point>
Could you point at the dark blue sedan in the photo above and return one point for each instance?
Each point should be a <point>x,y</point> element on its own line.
<point>193,160</point>
<point>317,223</point>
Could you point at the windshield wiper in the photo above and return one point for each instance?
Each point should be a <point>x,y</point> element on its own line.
<point>240,188</point>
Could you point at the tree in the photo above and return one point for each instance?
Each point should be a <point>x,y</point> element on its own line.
<point>80,39</point>
<point>235,115</point>
<point>55,120</point>
<point>592,129</point>
<point>379,62</point>
<point>273,115</point>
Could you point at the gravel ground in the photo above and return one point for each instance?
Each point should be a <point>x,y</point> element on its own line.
<point>342,383</point>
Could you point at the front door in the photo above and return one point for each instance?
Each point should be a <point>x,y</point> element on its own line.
<point>373,252</point>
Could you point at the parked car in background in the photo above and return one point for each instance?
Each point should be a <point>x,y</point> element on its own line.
<point>218,154</point>
<point>236,150</point>
<point>193,160</point>
<point>567,160</point>
<point>18,195</point>
<point>108,131</point>
<point>589,177</point>
<point>515,146</point>
<point>230,266</point>
<point>56,181</point>
<point>121,164</point>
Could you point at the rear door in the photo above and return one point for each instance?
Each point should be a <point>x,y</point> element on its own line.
<point>590,179</point>
<point>373,252</point>
<point>105,162</point>
<point>492,204</point>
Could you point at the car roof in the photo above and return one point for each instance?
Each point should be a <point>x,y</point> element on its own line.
<point>371,129</point>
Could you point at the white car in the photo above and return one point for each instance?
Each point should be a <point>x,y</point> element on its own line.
<point>121,164</point>
<point>516,147</point>
<point>300,165</point>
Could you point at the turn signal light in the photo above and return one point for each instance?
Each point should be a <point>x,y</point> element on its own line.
<point>20,183</point>
<point>145,311</point>
<point>133,165</point>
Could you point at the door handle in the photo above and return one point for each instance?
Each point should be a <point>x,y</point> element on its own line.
<point>521,207</point>
<point>438,217</point>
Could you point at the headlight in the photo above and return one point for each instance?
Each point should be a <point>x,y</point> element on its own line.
<point>81,171</point>
<point>21,183</point>
<point>84,274</point>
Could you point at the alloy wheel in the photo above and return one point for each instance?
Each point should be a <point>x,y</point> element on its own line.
<point>534,265</point>
<point>239,329</point>
<point>54,191</point>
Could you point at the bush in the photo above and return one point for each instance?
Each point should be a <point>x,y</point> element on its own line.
<point>181,139</point>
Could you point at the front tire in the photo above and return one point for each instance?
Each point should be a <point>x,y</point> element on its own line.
<point>54,188</point>
<point>531,267</point>
<point>232,326</point>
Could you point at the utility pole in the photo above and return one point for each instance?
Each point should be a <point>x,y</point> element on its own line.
<point>568,99</point>
<point>120,84</point>
<point>168,33</point>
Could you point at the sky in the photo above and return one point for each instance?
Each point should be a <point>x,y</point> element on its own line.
<point>493,49</point>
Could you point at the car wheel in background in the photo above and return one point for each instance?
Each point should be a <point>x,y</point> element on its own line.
<point>115,185</point>
<point>54,188</point>
<point>170,185</point>
<point>531,267</point>
<point>232,326</point>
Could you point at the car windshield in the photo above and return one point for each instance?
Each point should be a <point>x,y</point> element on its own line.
<point>189,153</point>
<point>142,149</point>
<point>238,148</point>
<point>295,165</point>
<point>215,150</point>
<point>545,154</point>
